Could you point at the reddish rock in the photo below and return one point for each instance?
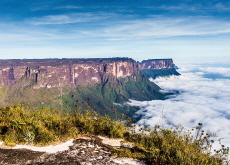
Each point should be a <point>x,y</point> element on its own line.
<point>157,64</point>
<point>71,72</point>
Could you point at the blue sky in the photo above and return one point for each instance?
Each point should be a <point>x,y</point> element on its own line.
<point>187,31</point>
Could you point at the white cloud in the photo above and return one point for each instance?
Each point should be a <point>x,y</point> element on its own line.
<point>194,7</point>
<point>178,7</point>
<point>67,18</point>
<point>161,27</point>
<point>200,100</point>
<point>222,7</point>
<point>220,70</point>
<point>68,7</point>
<point>116,27</point>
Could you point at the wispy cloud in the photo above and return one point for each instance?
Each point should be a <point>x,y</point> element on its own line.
<point>222,7</point>
<point>69,18</point>
<point>68,7</point>
<point>195,7</point>
<point>161,27</point>
<point>60,19</point>
<point>114,27</point>
<point>12,34</point>
<point>178,7</point>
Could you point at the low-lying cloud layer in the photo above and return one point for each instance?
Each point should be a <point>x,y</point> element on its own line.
<point>200,100</point>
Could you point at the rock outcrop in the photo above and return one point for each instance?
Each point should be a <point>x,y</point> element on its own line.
<point>158,68</point>
<point>82,151</point>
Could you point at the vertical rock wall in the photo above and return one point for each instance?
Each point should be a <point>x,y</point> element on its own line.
<point>158,68</point>
<point>157,64</point>
<point>71,72</point>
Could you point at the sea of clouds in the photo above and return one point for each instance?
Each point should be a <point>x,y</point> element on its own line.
<point>201,95</point>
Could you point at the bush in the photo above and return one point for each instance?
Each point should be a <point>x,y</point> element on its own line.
<point>10,138</point>
<point>165,146</point>
<point>44,136</point>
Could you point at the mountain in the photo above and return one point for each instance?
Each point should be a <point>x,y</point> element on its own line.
<point>158,68</point>
<point>66,83</point>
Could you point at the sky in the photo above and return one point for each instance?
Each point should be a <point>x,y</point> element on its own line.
<point>185,30</point>
<point>202,96</point>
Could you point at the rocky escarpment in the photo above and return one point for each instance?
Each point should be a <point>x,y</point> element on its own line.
<point>158,68</point>
<point>157,64</point>
<point>70,72</point>
<point>103,81</point>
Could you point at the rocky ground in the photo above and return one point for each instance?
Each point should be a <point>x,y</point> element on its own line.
<point>83,151</point>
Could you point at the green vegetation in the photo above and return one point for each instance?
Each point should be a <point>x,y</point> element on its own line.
<point>158,146</point>
<point>22,92</point>
<point>166,146</point>
<point>46,126</point>
<point>102,96</point>
<point>3,94</point>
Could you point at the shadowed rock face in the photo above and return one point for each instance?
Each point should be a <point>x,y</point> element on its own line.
<point>158,68</point>
<point>71,72</point>
<point>157,64</point>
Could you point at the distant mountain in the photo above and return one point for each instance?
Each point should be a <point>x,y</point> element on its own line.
<point>66,83</point>
<point>158,68</point>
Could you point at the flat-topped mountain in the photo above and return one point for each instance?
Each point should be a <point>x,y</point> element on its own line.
<point>158,68</point>
<point>157,64</point>
<point>103,81</point>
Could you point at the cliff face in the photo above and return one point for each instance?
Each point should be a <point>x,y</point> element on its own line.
<point>65,81</point>
<point>157,64</point>
<point>158,68</point>
<point>70,72</point>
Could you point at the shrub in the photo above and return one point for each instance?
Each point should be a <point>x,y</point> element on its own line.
<point>10,138</point>
<point>44,136</point>
<point>165,146</point>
